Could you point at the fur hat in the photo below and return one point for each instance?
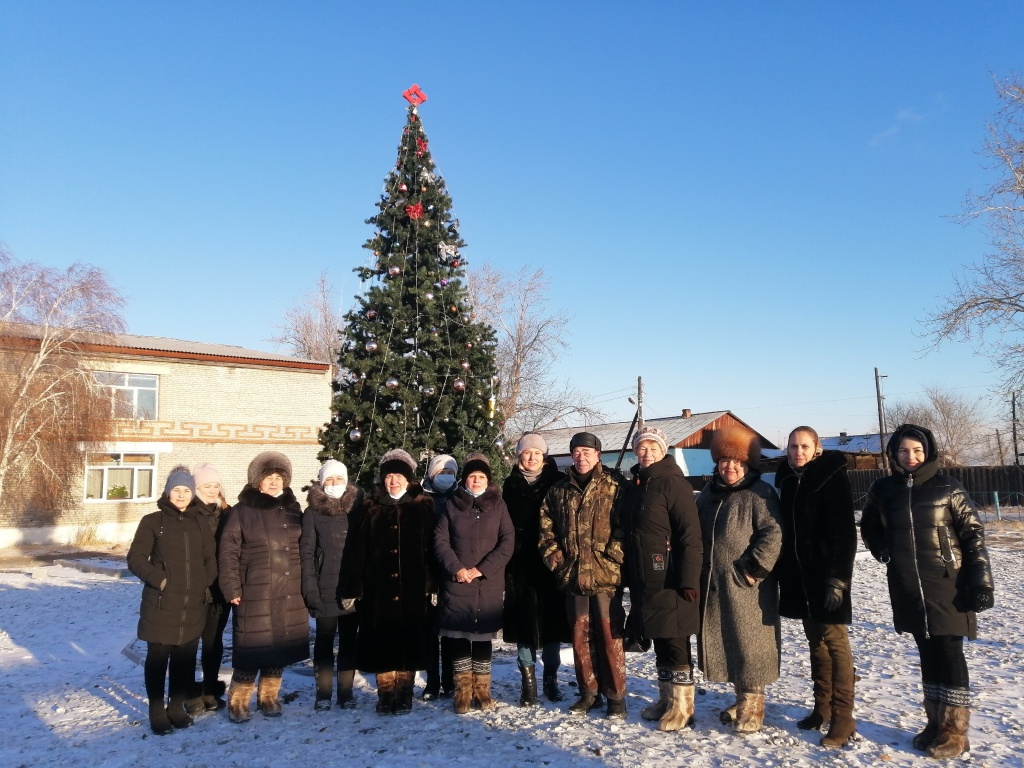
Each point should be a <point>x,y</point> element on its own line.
<point>585,440</point>
<point>397,462</point>
<point>736,443</point>
<point>180,476</point>
<point>476,462</point>
<point>267,463</point>
<point>651,433</point>
<point>532,440</point>
<point>439,462</point>
<point>206,473</point>
<point>332,468</point>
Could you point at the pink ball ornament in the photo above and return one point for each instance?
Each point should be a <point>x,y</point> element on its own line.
<point>371,346</point>
<point>394,271</point>
<point>459,385</point>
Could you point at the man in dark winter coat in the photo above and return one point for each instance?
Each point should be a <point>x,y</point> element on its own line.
<point>534,608</point>
<point>261,576</point>
<point>664,555</point>
<point>922,524</point>
<point>581,543</point>
<point>815,568</point>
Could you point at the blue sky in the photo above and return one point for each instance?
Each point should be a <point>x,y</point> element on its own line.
<point>746,203</point>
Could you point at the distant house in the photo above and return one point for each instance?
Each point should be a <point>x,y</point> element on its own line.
<point>183,402</point>
<point>862,451</point>
<point>689,439</point>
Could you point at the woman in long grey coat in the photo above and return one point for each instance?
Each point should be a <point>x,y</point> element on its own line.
<point>740,634</point>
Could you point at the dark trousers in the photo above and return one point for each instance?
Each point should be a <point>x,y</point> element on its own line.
<point>831,666</point>
<point>182,675</point>
<point>597,622</point>
<point>345,628</point>
<point>672,652</point>
<point>944,669</point>
<point>468,655</point>
<point>213,640</point>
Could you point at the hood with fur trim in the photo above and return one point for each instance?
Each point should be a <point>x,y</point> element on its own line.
<point>319,501</point>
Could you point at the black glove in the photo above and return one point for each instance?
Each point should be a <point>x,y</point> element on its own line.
<point>834,589</point>
<point>982,598</point>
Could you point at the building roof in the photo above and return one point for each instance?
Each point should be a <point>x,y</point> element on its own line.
<point>159,346</point>
<point>678,430</point>
<point>852,443</point>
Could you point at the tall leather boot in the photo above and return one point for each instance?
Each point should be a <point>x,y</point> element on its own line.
<point>657,710</point>
<point>954,723</point>
<point>267,696</point>
<point>551,690</point>
<point>463,691</point>
<point>679,712</point>
<point>239,698</point>
<point>346,678</point>
<point>324,680</point>
<point>821,677</point>
<point>842,727</point>
<point>749,711</point>
<point>386,693</point>
<point>528,692</point>
<point>924,739</point>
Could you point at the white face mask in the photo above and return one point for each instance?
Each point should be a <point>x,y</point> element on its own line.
<point>443,482</point>
<point>396,496</point>
<point>335,491</point>
<point>475,494</point>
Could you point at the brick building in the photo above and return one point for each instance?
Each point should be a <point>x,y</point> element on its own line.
<point>184,403</point>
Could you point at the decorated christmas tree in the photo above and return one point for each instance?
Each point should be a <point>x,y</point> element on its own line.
<point>417,370</point>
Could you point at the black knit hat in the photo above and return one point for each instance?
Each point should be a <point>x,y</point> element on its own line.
<point>476,462</point>
<point>585,440</point>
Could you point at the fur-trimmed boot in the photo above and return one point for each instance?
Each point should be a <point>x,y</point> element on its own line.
<point>239,698</point>
<point>528,692</point>
<point>324,676</point>
<point>213,695</point>
<point>551,690</point>
<point>954,722</point>
<point>176,711</point>
<point>266,696</point>
<point>482,690</point>
<point>657,710</point>
<point>679,713</point>
<point>346,679</point>
<point>404,682</point>
<point>463,692</point>
<point>386,693</point>
<point>749,711</point>
<point>158,720</point>
<point>924,739</point>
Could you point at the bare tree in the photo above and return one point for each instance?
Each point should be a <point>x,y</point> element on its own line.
<point>530,340</point>
<point>986,305</point>
<point>311,328</point>
<point>956,421</point>
<point>49,399</point>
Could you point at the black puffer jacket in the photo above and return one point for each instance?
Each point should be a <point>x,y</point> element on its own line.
<point>534,608</point>
<point>924,526</point>
<point>473,532</point>
<point>390,568</point>
<point>819,538</point>
<point>259,562</point>
<point>213,516</point>
<point>174,555</point>
<point>664,550</point>
<point>325,527</point>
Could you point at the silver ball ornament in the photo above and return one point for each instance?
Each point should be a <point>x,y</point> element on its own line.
<point>391,383</point>
<point>355,435</point>
<point>371,346</point>
<point>459,385</point>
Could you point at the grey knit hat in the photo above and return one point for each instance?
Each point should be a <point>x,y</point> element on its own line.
<point>532,440</point>
<point>180,476</point>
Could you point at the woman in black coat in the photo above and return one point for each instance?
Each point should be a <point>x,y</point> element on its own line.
<point>534,607</point>
<point>922,524</point>
<point>174,555</point>
<point>473,542</point>
<point>815,568</point>
<point>440,482</point>
<point>260,575</point>
<point>389,568</point>
<point>663,570</point>
<point>332,505</point>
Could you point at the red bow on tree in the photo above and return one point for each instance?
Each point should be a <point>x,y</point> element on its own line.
<point>414,211</point>
<point>421,147</point>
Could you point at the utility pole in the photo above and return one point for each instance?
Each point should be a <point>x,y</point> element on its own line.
<point>640,401</point>
<point>999,448</point>
<point>1013,424</point>
<point>881,422</point>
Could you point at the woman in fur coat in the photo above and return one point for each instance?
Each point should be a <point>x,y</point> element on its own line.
<point>390,570</point>
<point>473,541</point>
<point>332,506</point>
<point>534,608</point>
<point>260,575</point>
<point>174,555</point>
<point>815,569</point>
<point>922,524</point>
<point>740,632</point>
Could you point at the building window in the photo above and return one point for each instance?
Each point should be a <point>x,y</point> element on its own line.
<point>134,394</point>
<point>119,476</point>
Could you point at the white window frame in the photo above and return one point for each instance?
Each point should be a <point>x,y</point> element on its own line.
<point>119,465</point>
<point>103,378</point>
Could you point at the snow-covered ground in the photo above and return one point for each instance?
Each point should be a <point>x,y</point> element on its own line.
<point>71,698</point>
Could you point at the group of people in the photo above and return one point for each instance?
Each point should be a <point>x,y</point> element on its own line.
<point>420,575</point>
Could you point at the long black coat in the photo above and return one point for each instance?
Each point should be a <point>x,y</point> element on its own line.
<point>663,550</point>
<point>924,526</point>
<point>819,538</point>
<point>175,556</point>
<point>325,527</point>
<point>213,516</point>
<point>473,532</point>
<point>534,608</point>
<point>259,562</point>
<point>390,568</point>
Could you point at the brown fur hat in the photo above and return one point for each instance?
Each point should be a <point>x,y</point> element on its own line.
<point>397,462</point>
<point>736,443</point>
<point>267,463</point>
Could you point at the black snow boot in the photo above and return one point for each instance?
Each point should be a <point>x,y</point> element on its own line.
<point>176,712</point>
<point>528,695</point>
<point>551,687</point>
<point>158,718</point>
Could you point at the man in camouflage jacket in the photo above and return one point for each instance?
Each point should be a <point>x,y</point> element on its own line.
<point>581,542</point>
